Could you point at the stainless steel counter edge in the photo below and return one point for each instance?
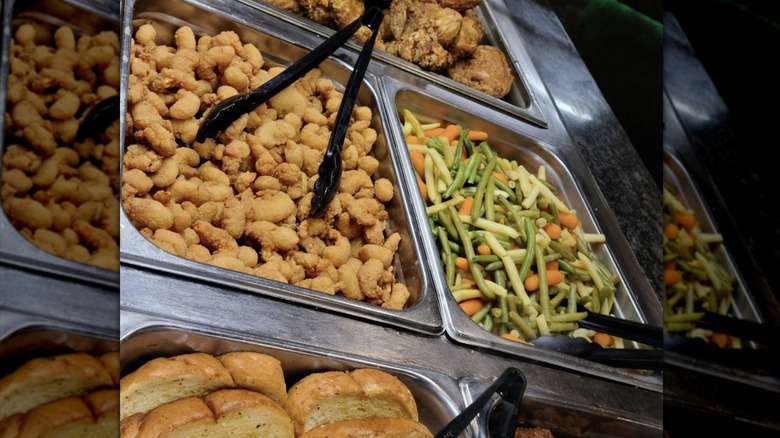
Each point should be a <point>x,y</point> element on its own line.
<point>176,300</point>
<point>60,301</point>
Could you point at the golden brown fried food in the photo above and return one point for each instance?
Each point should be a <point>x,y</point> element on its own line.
<point>61,194</point>
<point>241,201</point>
<point>459,5</point>
<point>487,71</point>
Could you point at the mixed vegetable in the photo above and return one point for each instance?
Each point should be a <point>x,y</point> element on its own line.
<point>515,256</point>
<point>694,281</point>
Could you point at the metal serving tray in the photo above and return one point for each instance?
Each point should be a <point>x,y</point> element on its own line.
<point>499,32</point>
<point>633,299</point>
<point>23,338</point>
<point>436,395</point>
<point>88,16</point>
<point>272,36</point>
<point>566,418</point>
<point>743,304</point>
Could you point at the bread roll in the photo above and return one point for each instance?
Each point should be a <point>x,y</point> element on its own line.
<point>330,396</point>
<point>371,427</point>
<point>95,415</point>
<point>111,362</point>
<point>163,380</point>
<point>225,412</point>
<point>43,380</point>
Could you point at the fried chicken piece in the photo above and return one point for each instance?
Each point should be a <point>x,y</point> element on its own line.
<point>459,5</point>
<point>317,11</point>
<point>533,432</point>
<point>469,36</point>
<point>487,71</point>
<point>287,5</point>
<point>422,29</point>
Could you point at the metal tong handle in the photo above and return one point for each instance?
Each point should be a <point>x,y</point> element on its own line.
<point>623,328</point>
<point>227,111</point>
<point>510,385</point>
<point>330,169</point>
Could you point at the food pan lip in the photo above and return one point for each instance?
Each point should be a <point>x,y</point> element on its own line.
<point>70,338</point>
<point>461,329</point>
<point>677,175</point>
<point>416,378</point>
<point>527,78</point>
<point>422,317</point>
<point>14,248</point>
<point>473,387</point>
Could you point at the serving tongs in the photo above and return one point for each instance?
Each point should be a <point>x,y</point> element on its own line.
<point>763,358</point>
<point>100,117</point>
<point>510,385</point>
<point>636,358</point>
<point>227,111</point>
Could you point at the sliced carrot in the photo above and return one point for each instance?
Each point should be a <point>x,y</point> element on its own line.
<point>465,208</point>
<point>603,339</point>
<point>501,221</point>
<point>423,190</point>
<point>483,249</point>
<point>568,220</point>
<point>454,143</point>
<point>553,230</point>
<point>471,306</point>
<point>552,266</point>
<point>435,132</point>
<point>720,339</point>
<point>462,264</point>
<point>501,176</point>
<point>554,277</point>
<point>671,277</point>
<point>531,282</point>
<point>686,220</point>
<point>418,161</point>
<point>413,139</point>
<point>671,231</point>
<point>452,132</point>
<point>670,265</point>
<point>477,135</point>
<point>514,338</point>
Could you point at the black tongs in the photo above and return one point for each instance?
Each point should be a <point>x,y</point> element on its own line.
<point>510,385</point>
<point>227,111</point>
<point>100,117</point>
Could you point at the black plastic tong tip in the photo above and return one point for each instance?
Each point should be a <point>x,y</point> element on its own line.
<point>99,118</point>
<point>510,385</point>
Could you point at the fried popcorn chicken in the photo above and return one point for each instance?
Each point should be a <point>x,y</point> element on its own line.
<point>241,201</point>
<point>61,194</point>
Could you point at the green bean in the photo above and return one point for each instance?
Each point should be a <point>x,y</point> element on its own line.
<point>467,294</point>
<point>559,327</point>
<point>487,150</point>
<point>500,277</point>
<point>511,303</point>
<point>457,181</point>
<point>541,271</point>
<point>522,325</point>
<point>433,143</point>
<point>479,195</point>
<point>487,322</point>
<point>477,317</point>
<point>469,250</point>
<point>490,213</point>
<point>530,232</point>
<point>556,300</point>
<point>408,116</point>
<point>554,214</point>
<point>572,303</point>
<point>473,165</point>
<point>446,221</point>
<point>511,213</point>
<point>684,317</point>
<point>563,250</point>
<point>494,266</point>
<point>486,259</point>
